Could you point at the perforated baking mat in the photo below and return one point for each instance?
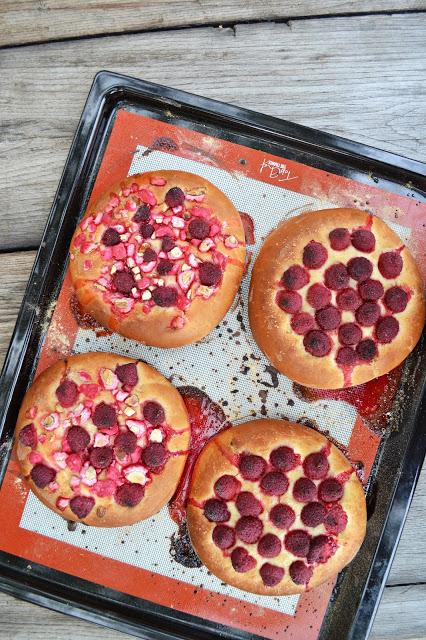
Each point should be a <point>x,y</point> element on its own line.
<point>227,365</point>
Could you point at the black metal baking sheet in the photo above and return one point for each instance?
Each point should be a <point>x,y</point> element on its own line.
<point>359,587</point>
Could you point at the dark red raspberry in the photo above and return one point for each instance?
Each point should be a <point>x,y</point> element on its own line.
<point>295,277</point>
<point>167,244</point>
<point>104,416</point>
<point>371,289</point>
<point>78,439</point>
<point>28,436</point>
<point>368,314</point>
<point>82,506</point>
<point>210,274</point>
<point>336,277</point>
<point>153,412</point>
<point>146,230</point>
<point>42,475</point>
<point>387,329</point>
<point>142,214</point>
<point>346,357</point>
<point>390,264</point>
<point>251,467</point>
<point>248,505</point>
<point>321,549</point>
<point>360,269</point>
<point>129,495</point>
<point>110,237</point>
<point>149,255</point>
<point>126,442</point>
<point>282,516</point>
<point>314,255</point>
<point>101,457</point>
<point>349,333</point>
<point>336,520</point>
<point>216,510</point>
<point>274,483</point>
<point>284,458</point>
<point>367,350</point>
<point>363,240</point>
<point>175,197</point>
<point>297,542</point>
<point>299,572</point>
<point>227,487</point>
<point>271,574</point>
<point>316,465</point>
<point>348,299</point>
<point>249,529</point>
<point>154,455</point>
<point>301,323</point>
<point>123,282</point>
<point>328,318</point>
<point>269,546</point>
<point>339,239</point>
<point>304,490</point>
<point>164,267</point>
<point>313,514</point>
<point>396,299</point>
<point>330,490</point>
<point>318,296</point>
<point>289,301</point>
<point>127,374</point>
<point>165,296</point>
<point>67,393</point>
<point>223,536</point>
<point>317,343</point>
<point>199,228</point>
<point>242,561</point>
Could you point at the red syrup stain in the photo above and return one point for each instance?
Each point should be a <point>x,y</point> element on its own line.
<point>206,419</point>
<point>373,400</point>
<point>248,226</point>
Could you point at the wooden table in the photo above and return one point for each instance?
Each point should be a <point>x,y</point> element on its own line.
<point>353,68</point>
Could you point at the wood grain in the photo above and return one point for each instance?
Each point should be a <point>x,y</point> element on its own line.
<point>362,77</point>
<point>23,21</point>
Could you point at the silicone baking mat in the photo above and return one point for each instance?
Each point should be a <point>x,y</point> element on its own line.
<point>227,365</point>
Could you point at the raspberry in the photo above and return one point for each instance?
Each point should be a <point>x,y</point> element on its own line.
<point>321,549</point>
<point>363,240</point>
<point>78,439</point>
<point>348,299</point>
<point>316,465</point>
<point>149,255</point>
<point>42,475</point>
<point>336,520</point>
<point>165,296</point>
<point>154,455</point>
<point>330,490</point>
<point>349,333</point>
<point>146,230</point>
<point>274,483</point>
<point>81,506</point>
<point>371,289</point>
<point>313,514</point>
<point>271,574</point>
<point>167,244</point>
<point>142,214</point>
<point>175,197</point>
<point>282,516</point>
<point>367,350</point>
<point>328,318</point>
<point>104,416</point>
<point>127,374</point>
<point>249,529</point>
<point>295,277</point>
<point>223,536</point>
<point>242,561</point>
<point>199,228</point>
<point>360,269</point>
<point>300,573</point>
<point>251,467</point>
<point>67,393</point>
<point>314,255</point>
<point>284,459</point>
<point>368,314</point>
<point>129,495</point>
<point>226,487</point>
<point>110,237</point>
<point>304,490</point>
<point>387,329</point>
<point>248,505</point>
<point>123,282</point>
<point>396,299</point>
<point>317,343</point>
<point>216,510</point>
<point>28,436</point>
<point>340,239</point>
<point>301,323</point>
<point>153,412</point>
<point>318,296</point>
<point>126,442</point>
<point>101,457</point>
<point>164,267</point>
<point>210,274</point>
<point>269,546</point>
<point>336,277</point>
<point>289,301</point>
<point>346,357</point>
<point>297,542</point>
<point>390,264</point>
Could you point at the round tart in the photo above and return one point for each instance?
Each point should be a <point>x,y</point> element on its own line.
<point>274,508</point>
<point>102,439</point>
<point>335,299</point>
<point>159,258</point>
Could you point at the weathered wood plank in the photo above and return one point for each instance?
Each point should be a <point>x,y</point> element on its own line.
<point>401,615</point>
<point>23,21</point>
<point>361,77</point>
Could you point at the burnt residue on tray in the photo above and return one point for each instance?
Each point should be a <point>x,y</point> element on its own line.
<point>182,550</point>
<point>162,143</point>
<point>84,320</point>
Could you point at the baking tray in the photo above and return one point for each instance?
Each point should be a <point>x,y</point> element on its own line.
<point>397,465</point>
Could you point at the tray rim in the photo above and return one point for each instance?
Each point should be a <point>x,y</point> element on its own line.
<point>109,86</point>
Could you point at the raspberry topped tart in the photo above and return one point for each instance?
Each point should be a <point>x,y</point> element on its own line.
<point>159,258</point>
<point>102,439</point>
<point>336,299</point>
<point>274,508</point>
